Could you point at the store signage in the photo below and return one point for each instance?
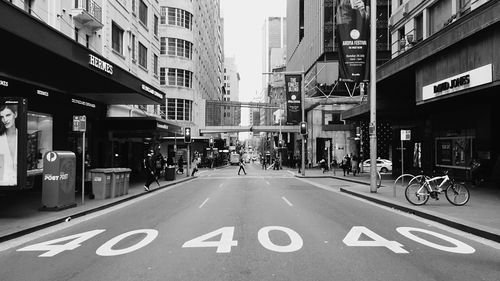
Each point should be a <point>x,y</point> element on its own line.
<point>4,83</point>
<point>162,126</point>
<point>473,78</point>
<point>50,177</point>
<point>100,64</point>
<point>42,93</point>
<point>80,102</point>
<point>405,135</point>
<point>151,91</point>
<point>293,99</point>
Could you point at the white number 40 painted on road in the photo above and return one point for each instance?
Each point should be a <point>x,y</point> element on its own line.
<point>226,242</point>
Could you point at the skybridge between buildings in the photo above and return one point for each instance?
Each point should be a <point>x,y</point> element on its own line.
<point>254,129</point>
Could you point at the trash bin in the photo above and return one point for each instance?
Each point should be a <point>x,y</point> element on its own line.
<point>126,180</point>
<point>101,182</point>
<point>58,181</point>
<point>170,173</point>
<point>116,182</point>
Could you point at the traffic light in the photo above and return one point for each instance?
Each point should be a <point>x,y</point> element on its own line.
<point>281,144</point>
<point>211,142</point>
<point>303,128</point>
<point>187,135</point>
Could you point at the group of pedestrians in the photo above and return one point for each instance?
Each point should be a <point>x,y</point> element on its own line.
<point>350,163</point>
<point>154,164</point>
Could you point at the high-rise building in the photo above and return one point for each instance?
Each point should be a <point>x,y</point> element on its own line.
<point>191,58</point>
<point>231,115</point>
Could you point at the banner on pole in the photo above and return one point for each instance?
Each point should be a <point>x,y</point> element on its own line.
<point>353,33</point>
<point>293,99</point>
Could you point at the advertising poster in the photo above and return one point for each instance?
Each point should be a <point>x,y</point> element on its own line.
<point>353,32</point>
<point>444,152</point>
<point>293,99</point>
<point>12,115</point>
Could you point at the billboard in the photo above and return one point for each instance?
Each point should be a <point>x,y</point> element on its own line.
<point>353,32</point>
<point>12,141</point>
<point>293,99</point>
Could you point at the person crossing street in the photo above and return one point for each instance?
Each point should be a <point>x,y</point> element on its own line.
<point>242,167</point>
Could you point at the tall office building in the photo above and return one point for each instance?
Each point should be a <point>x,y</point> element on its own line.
<point>231,115</point>
<point>191,58</point>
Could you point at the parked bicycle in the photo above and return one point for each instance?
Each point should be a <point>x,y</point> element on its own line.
<point>418,193</point>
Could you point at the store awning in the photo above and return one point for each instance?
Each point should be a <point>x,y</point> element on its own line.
<point>36,53</point>
<point>141,127</point>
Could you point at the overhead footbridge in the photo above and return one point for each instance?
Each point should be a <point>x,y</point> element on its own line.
<point>255,129</point>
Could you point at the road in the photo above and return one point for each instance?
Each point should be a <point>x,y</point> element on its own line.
<point>266,225</point>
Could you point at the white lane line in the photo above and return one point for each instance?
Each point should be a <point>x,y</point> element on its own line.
<point>201,206</point>
<point>286,200</point>
<point>268,183</point>
<point>220,185</point>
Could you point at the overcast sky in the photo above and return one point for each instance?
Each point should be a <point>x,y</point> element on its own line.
<point>243,21</point>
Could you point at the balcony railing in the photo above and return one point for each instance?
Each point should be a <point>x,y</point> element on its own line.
<point>88,13</point>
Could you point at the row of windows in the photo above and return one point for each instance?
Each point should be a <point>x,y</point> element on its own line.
<point>179,109</point>
<point>176,47</point>
<point>117,46</point>
<point>177,17</point>
<point>176,77</point>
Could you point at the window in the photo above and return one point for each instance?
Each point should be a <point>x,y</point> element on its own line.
<point>187,110</point>
<point>40,139</point>
<point>143,13</point>
<point>133,7</point>
<point>419,27</point>
<point>180,18</point>
<point>162,75</point>
<point>180,48</point>
<point>132,41</point>
<point>163,47</point>
<point>143,56</point>
<point>87,41</point>
<point>155,28</point>
<point>117,38</point>
<point>180,77</point>
<point>180,109</point>
<point>401,39</point>
<point>171,76</point>
<point>331,118</point>
<point>171,109</point>
<point>171,16</point>
<point>439,14</point>
<point>163,15</point>
<point>155,64</point>
<point>171,46</point>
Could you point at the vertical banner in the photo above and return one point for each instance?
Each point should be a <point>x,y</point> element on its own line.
<point>353,33</point>
<point>293,99</point>
<point>12,142</point>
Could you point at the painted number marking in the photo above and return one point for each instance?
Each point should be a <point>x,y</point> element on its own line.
<point>460,247</point>
<point>223,245</point>
<point>295,239</point>
<point>107,250</point>
<point>352,239</point>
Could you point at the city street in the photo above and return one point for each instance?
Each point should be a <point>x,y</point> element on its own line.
<point>266,225</point>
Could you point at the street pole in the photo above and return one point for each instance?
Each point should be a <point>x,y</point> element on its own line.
<point>83,168</point>
<point>188,164</point>
<point>373,97</point>
<point>302,102</point>
<point>279,142</point>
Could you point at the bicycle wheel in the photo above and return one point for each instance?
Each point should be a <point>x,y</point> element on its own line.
<point>416,194</point>
<point>457,194</point>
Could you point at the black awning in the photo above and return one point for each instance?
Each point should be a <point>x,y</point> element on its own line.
<point>36,53</point>
<point>141,127</point>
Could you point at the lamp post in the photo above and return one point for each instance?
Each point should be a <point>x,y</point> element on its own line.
<point>373,97</point>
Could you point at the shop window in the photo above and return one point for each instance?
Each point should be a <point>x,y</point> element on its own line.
<point>40,128</point>
<point>143,13</point>
<point>143,56</point>
<point>454,152</point>
<point>117,38</point>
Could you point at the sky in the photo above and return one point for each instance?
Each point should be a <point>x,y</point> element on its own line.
<point>243,21</point>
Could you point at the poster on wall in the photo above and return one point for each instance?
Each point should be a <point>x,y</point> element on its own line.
<point>12,141</point>
<point>293,99</point>
<point>444,152</point>
<point>353,33</point>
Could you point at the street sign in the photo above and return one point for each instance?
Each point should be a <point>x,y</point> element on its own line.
<point>405,135</point>
<point>79,123</point>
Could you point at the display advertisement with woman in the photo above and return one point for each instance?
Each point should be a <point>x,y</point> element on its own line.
<point>8,143</point>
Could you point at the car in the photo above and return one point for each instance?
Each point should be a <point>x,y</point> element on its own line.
<point>383,165</point>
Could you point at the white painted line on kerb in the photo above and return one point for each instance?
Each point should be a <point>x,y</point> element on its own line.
<point>201,206</point>
<point>288,202</point>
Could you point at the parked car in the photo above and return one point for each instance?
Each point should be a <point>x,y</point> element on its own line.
<point>383,165</point>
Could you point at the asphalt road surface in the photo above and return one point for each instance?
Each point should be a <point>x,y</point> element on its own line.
<point>266,225</point>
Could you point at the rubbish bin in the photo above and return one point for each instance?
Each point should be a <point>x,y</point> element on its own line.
<point>117,182</point>
<point>58,181</point>
<point>170,173</point>
<point>101,182</point>
<point>126,179</point>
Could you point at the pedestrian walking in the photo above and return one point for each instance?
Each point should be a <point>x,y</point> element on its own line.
<point>242,167</point>
<point>180,166</point>
<point>195,163</point>
<point>299,163</point>
<point>264,163</point>
<point>345,165</point>
<point>149,170</point>
<point>159,162</point>
<point>322,165</point>
<point>355,165</point>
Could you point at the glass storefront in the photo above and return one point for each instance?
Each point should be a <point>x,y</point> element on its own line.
<point>40,132</point>
<point>454,152</point>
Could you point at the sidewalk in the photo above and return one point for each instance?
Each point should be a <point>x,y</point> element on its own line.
<point>480,216</point>
<point>19,214</point>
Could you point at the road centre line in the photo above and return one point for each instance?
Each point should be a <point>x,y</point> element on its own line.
<point>286,200</point>
<point>201,206</point>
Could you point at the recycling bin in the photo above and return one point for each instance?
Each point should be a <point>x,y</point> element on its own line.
<point>116,183</point>
<point>102,182</point>
<point>170,173</point>
<point>58,181</point>
<point>126,180</point>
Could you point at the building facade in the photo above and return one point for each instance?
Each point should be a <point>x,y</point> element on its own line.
<point>441,85</point>
<point>312,48</point>
<point>231,115</point>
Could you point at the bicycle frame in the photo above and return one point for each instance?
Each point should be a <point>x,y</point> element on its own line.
<point>428,181</point>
